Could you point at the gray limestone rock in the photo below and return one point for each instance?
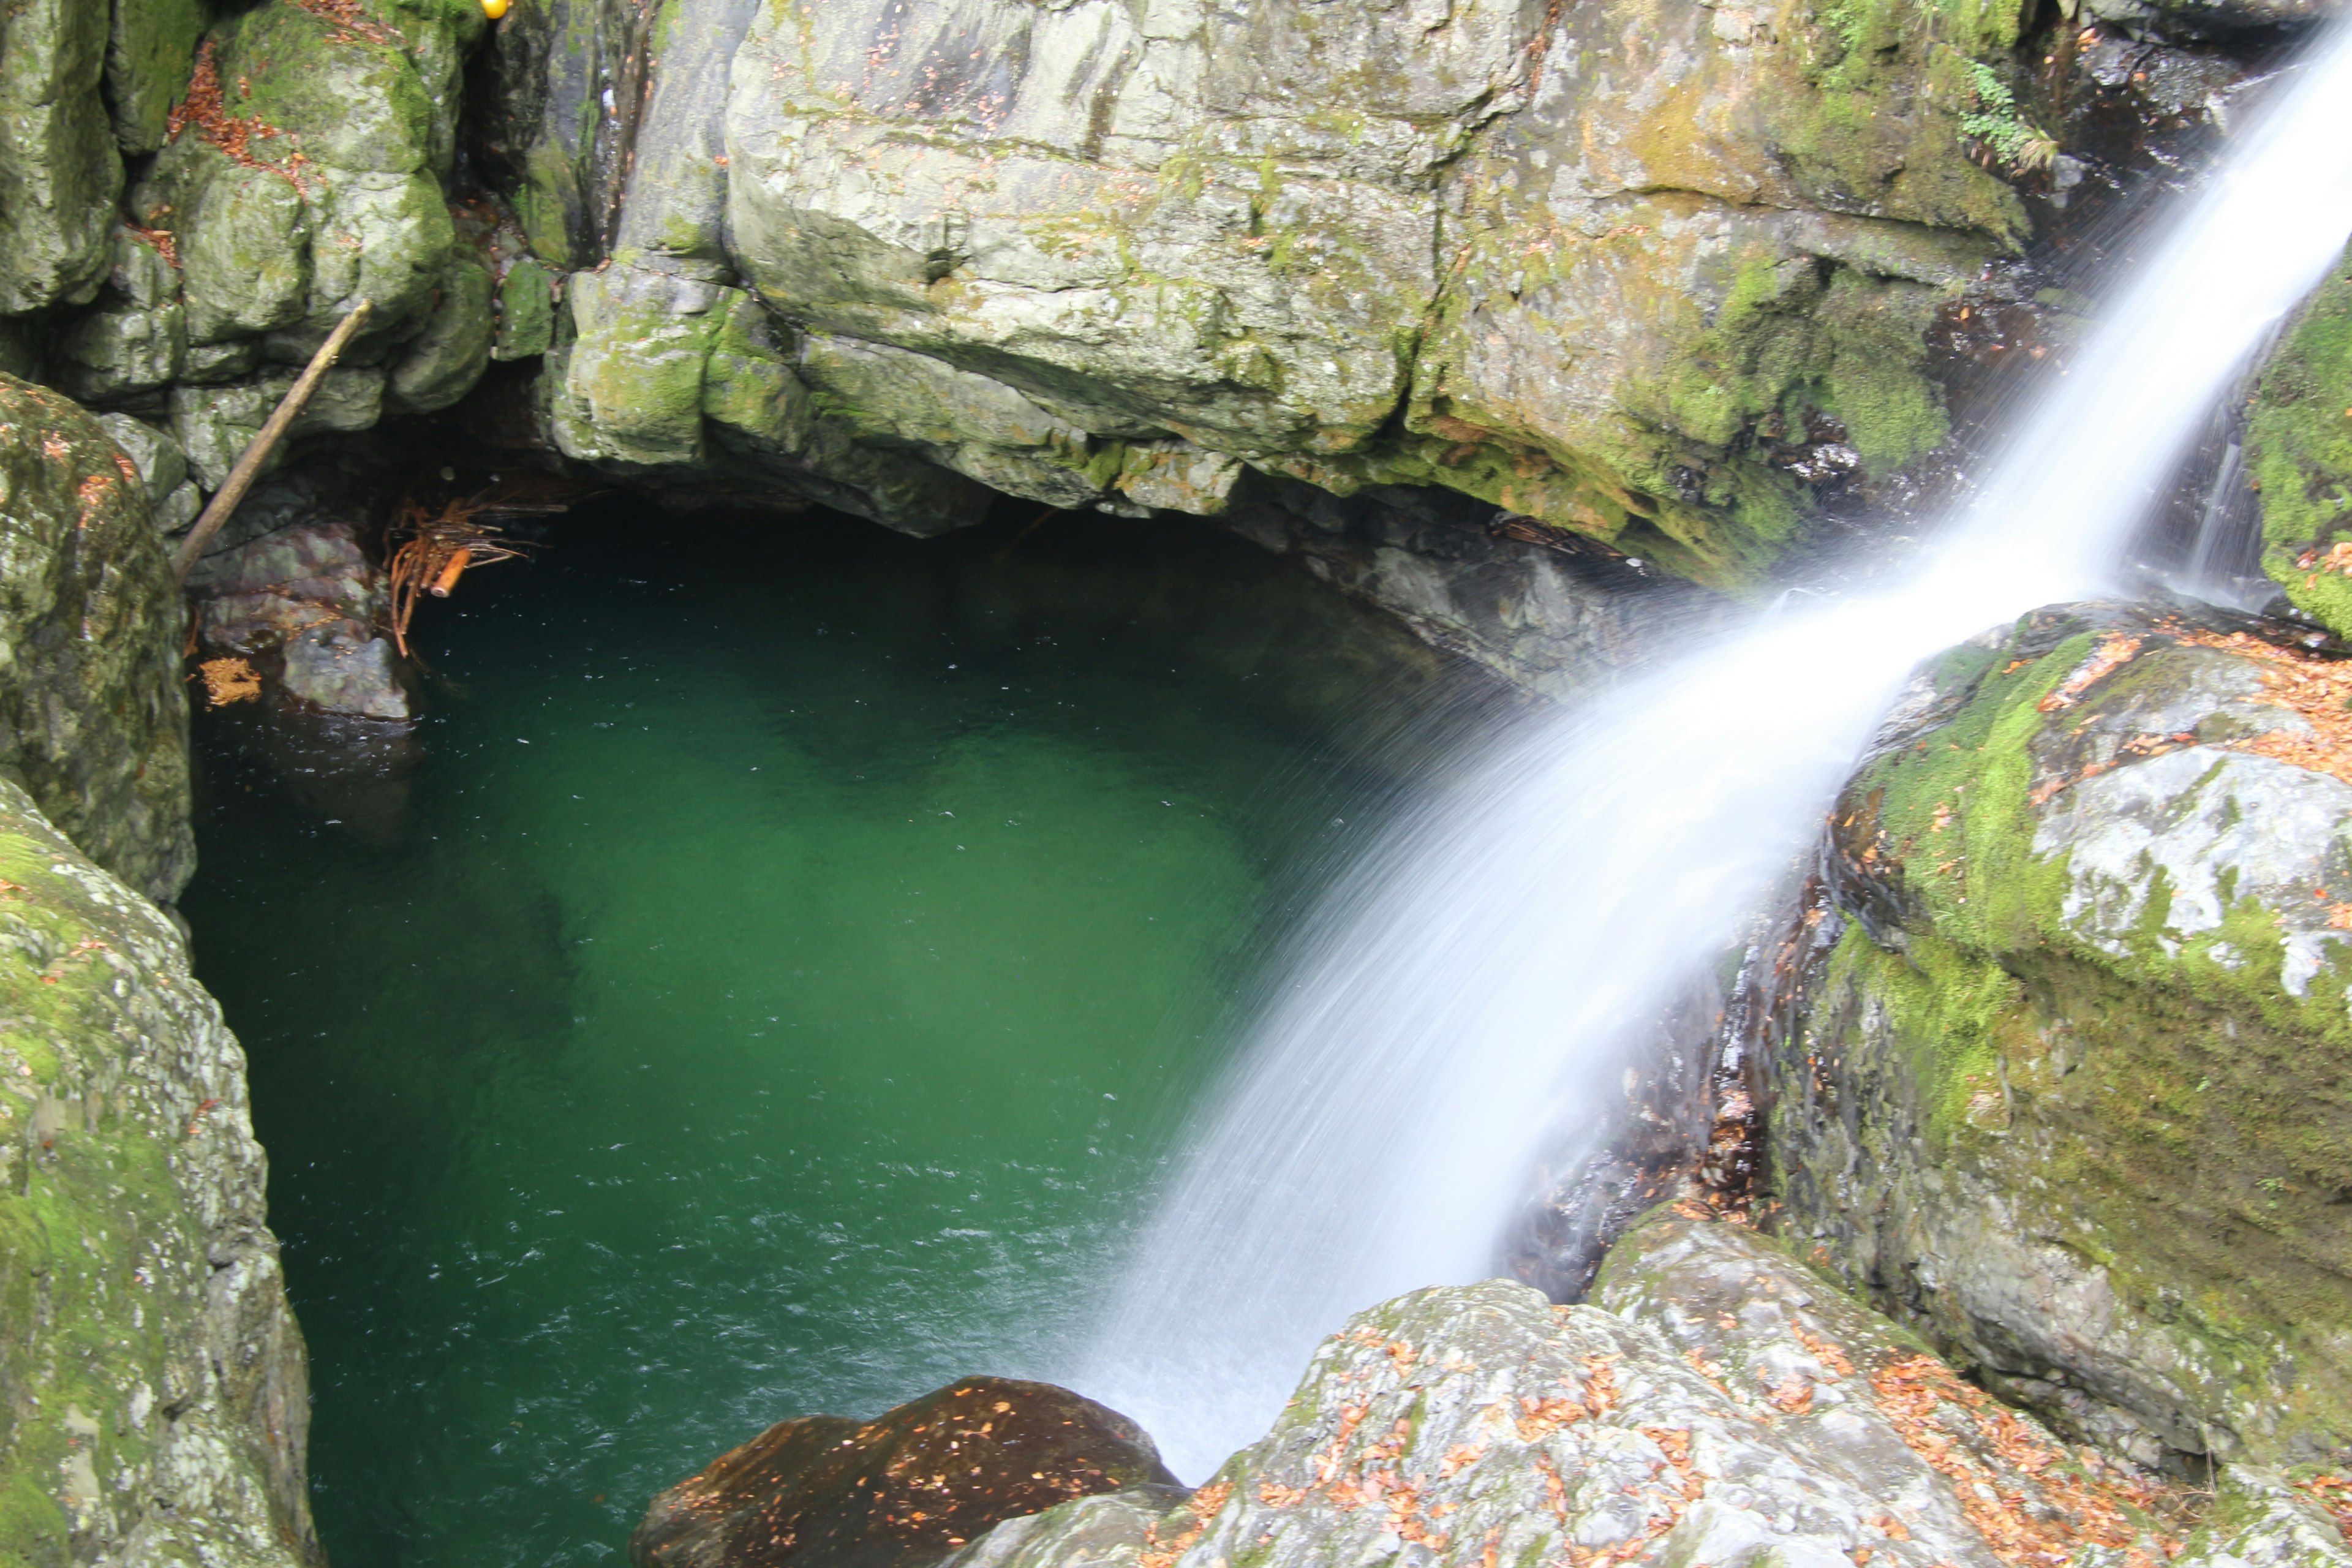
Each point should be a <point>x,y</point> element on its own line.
<point>2071,1094</point>
<point>1727,1405</point>
<point>93,720</point>
<point>59,170</point>
<point>341,667</point>
<point>215,423</point>
<point>153,1393</point>
<point>1481,1423</point>
<point>162,464</point>
<point>445,361</point>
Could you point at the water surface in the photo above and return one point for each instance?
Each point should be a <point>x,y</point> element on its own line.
<point>766,986</point>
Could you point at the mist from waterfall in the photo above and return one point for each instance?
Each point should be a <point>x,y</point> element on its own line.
<point>1463,999</point>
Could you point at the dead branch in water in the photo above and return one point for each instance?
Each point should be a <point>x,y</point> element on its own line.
<point>433,549</point>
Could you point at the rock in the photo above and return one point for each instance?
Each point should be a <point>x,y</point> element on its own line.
<point>153,1398</point>
<point>171,489</point>
<point>526,312</point>
<point>450,355</point>
<point>1094,258</point>
<point>339,666</point>
<point>135,339</point>
<point>147,63</point>
<point>93,721</point>
<point>902,1491</point>
<point>2072,1093</point>
<point>163,466</point>
<point>214,423</point>
<point>567,78</point>
<point>1729,1405</point>
<point>2299,454</point>
<point>1550,613</point>
<point>59,171</point>
<point>306,593</point>
<point>1480,1424</point>
<point>1868,1400</point>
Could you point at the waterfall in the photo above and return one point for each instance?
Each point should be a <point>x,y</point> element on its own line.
<point>1475,984</point>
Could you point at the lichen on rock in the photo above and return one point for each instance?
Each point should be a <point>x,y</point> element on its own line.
<point>153,1398</point>
<point>2299,454</point>
<point>93,721</point>
<point>1722,1404</point>
<point>2073,1093</point>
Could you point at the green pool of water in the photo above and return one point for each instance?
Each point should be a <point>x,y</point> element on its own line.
<point>765,986</point>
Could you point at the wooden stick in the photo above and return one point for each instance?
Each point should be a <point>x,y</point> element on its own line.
<point>248,466</point>
<point>451,573</point>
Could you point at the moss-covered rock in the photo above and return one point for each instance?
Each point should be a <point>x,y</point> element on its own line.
<point>93,720</point>
<point>153,1398</point>
<point>2074,1092</point>
<point>555,126</point>
<point>135,339</point>
<point>215,423</point>
<point>59,170</point>
<point>526,312</point>
<point>1596,267</point>
<point>2299,452</point>
<point>148,58</point>
<point>445,361</point>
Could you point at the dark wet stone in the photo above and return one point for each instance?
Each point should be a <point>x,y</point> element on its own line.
<point>903,1489</point>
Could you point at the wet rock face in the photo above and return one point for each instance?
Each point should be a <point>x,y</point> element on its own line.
<point>2072,1090</point>
<point>903,1490</point>
<point>93,720</point>
<point>2299,453</point>
<point>300,594</point>
<point>1728,1407</point>
<point>153,1393</point>
<point>1095,258</point>
<point>1550,613</point>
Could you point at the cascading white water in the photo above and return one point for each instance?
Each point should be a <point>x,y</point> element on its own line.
<point>1463,995</point>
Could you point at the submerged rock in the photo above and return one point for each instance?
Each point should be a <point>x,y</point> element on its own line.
<point>2072,1091</point>
<point>153,1396</point>
<point>302,596</point>
<point>904,1489</point>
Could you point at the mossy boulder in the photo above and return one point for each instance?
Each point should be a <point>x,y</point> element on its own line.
<point>135,340</point>
<point>2299,453</point>
<point>153,1398</point>
<point>2073,1094</point>
<point>444,360</point>
<point>59,169</point>
<point>93,719</point>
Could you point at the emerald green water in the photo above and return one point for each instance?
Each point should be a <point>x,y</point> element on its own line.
<point>765,986</point>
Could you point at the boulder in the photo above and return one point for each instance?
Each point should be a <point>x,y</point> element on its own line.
<point>903,1490</point>
<point>59,170</point>
<point>153,1394</point>
<point>2071,1090</point>
<point>93,720</point>
<point>2298,447</point>
<point>1728,1406</point>
<point>304,594</point>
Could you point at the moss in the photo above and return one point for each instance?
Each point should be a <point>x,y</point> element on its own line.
<point>2159,1102</point>
<point>2299,453</point>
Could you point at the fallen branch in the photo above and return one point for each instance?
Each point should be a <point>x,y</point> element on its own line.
<point>248,466</point>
